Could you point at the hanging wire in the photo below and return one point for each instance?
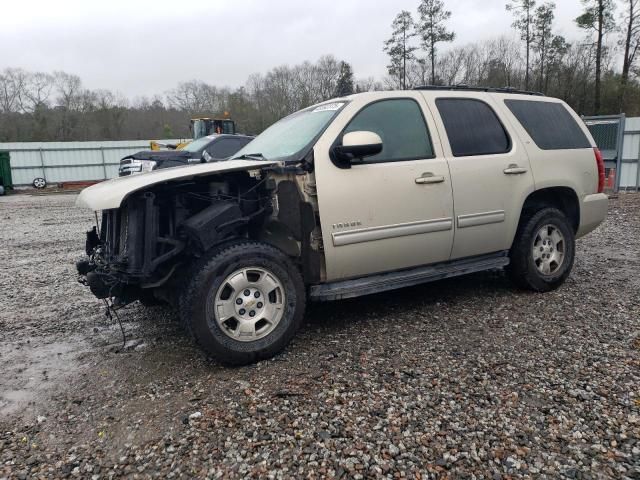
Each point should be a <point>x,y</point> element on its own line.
<point>108,313</point>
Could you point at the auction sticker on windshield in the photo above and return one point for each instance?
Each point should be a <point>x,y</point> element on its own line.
<point>329,107</point>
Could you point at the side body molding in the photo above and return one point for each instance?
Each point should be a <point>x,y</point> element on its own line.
<point>391,231</point>
<point>484,218</point>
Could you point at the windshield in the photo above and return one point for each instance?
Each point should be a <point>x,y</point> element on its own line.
<point>197,145</point>
<point>292,134</point>
<point>228,126</point>
<point>199,129</point>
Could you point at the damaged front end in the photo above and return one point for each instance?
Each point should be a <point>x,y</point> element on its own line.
<point>136,251</point>
<point>128,250</point>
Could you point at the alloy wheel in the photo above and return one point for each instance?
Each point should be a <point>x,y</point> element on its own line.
<point>548,250</point>
<point>249,304</point>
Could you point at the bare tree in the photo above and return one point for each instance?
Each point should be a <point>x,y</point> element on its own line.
<point>328,73</point>
<point>195,97</point>
<point>68,89</point>
<point>369,84</point>
<point>450,65</point>
<point>111,110</point>
<point>69,101</point>
<point>523,11</point>
<point>399,48</point>
<point>432,29</point>
<point>37,92</point>
<point>505,59</point>
<point>470,66</point>
<point>12,86</point>
<point>419,71</point>
<point>284,89</point>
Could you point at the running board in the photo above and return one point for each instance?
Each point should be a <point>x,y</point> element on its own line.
<point>405,278</point>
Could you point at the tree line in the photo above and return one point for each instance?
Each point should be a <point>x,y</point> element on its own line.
<point>41,106</point>
<point>37,106</point>
<point>583,72</point>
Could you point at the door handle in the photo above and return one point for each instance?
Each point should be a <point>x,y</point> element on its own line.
<point>514,169</point>
<point>429,178</point>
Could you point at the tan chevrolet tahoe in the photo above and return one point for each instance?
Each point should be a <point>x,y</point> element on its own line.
<point>350,197</point>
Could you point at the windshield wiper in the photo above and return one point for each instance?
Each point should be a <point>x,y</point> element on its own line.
<point>250,156</point>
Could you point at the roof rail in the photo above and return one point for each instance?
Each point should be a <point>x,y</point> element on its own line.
<point>479,89</point>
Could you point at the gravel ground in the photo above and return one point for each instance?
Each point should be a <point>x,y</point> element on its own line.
<point>466,378</point>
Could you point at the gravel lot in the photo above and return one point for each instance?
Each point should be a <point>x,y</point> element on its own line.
<point>466,378</point>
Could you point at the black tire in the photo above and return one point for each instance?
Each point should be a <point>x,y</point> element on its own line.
<point>209,275</point>
<point>523,270</point>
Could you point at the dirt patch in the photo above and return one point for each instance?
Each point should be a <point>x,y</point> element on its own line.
<point>31,367</point>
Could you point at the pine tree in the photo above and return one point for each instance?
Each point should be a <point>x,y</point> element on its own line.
<point>398,47</point>
<point>432,29</point>
<point>344,86</point>
<point>523,11</point>
<point>631,46</point>
<point>558,49</point>
<point>598,16</point>
<point>543,36</point>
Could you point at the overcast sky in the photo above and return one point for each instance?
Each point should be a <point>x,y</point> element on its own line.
<point>143,47</point>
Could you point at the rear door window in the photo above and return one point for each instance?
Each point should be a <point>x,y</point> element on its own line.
<point>549,124</point>
<point>473,128</point>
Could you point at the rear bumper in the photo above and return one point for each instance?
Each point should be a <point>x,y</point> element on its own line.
<point>593,211</point>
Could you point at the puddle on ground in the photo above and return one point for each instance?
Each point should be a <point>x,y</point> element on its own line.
<point>29,368</point>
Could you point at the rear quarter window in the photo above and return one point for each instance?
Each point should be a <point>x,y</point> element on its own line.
<point>549,124</point>
<point>473,128</point>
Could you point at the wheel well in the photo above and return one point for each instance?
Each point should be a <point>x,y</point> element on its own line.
<point>277,234</point>
<point>562,198</point>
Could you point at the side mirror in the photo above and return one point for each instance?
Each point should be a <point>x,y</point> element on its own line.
<point>356,146</point>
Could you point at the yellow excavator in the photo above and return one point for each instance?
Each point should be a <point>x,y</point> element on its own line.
<point>200,127</point>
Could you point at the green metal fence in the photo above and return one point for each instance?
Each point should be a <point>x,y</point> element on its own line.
<point>608,132</point>
<point>605,134</point>
<point>5,170</point>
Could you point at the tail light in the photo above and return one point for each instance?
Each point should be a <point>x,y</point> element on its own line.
<point>600,163</point>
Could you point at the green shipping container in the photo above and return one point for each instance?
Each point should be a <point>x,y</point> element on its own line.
<point>5,170</point>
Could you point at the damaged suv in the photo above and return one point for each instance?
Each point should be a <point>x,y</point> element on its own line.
<point>354,196</point>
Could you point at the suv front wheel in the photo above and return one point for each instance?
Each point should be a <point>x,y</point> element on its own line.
<point>243,303</point>
<point>543,251</point>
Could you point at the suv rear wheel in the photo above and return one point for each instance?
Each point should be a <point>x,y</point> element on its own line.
<point>244,303</point>
<point>543,252</point>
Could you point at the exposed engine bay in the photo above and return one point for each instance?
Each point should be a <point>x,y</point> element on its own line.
<point>141,250</point>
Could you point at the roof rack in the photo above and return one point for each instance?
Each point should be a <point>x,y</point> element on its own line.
<point>467,88</point>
